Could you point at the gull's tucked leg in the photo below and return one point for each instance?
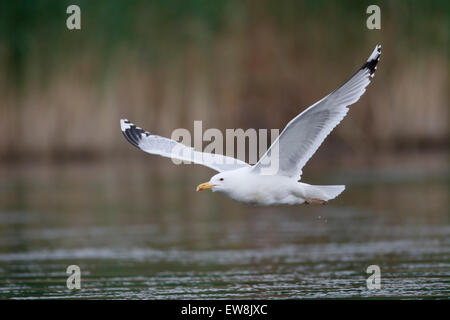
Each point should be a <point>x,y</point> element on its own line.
<point>314,201</point>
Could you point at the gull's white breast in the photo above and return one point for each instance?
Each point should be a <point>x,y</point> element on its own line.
<point>257,189</point>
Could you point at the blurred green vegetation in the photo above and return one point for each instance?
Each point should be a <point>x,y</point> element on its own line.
<point>155,28</point>
<point>173,61</point>
<point>38,28</point>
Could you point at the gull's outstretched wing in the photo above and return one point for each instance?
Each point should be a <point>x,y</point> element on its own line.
<point>165,147</point>
<point>303,135</point>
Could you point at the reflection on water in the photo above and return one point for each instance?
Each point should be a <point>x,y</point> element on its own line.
<point>139,230</point>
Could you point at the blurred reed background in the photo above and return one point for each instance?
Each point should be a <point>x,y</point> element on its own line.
<point>232,64</point>
<point>74,191</point>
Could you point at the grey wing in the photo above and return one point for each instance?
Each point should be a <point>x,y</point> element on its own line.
<point>303,135</point>
<point>166,147</point>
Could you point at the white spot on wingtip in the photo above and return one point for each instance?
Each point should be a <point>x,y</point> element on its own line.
<point>124,125</point>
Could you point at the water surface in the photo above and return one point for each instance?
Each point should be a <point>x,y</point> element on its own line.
<point>140,231</point>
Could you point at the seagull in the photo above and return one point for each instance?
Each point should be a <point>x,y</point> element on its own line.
<point>275,178</point>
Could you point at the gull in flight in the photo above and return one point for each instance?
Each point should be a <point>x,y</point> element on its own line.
<point>261,184</point>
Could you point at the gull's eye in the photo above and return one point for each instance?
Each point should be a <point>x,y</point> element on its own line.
<point>221,179</point>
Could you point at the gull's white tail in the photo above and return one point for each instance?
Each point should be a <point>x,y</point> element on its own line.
<point>325,192</point>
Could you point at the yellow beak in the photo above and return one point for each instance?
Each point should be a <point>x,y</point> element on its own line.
<point>204,186</point>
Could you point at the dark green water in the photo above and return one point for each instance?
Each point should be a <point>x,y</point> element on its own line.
<point>139,230</point>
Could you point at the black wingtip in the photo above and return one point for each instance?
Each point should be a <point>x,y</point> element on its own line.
<point>132,133</point>
<point>372,62</point>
